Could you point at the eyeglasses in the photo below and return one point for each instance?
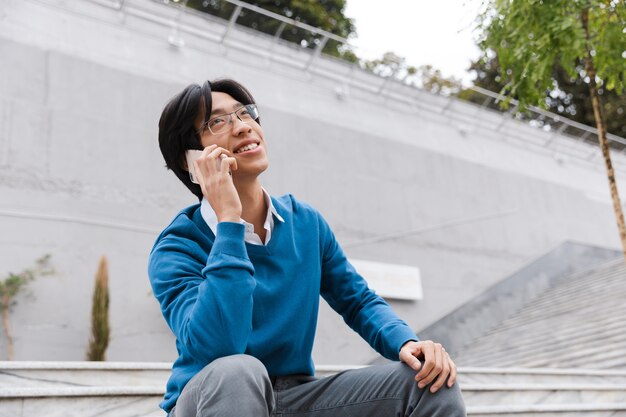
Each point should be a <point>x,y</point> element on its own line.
<point>222,123</point>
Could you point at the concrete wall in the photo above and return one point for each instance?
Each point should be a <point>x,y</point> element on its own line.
<point>82,85</point>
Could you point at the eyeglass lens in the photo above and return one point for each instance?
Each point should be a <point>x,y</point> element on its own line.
<point>222,122</point>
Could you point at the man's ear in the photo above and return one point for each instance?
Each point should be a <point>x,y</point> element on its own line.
<point>183,163</point>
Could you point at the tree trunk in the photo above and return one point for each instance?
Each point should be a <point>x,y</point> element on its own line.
<point>601,127</point>
<point>6,327</point>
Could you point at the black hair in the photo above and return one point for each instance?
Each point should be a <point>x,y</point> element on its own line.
<point>177,130</point>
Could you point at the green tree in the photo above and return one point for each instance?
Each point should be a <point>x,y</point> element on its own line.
<point>325,14</point>
<point>434,81</point>
<point>530,37</point>
<point>427,77</point>
<point>391,65</point>
<point>10,287</point>
<point>566,96</point>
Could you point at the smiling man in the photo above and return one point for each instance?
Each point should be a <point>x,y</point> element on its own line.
<point>238,278</point>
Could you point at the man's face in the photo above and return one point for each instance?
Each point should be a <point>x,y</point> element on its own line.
<point>243,141</point>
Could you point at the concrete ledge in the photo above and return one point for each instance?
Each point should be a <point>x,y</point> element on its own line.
<point>542,371</point>
<point>120,391</point>
<point>78,365</point>
<point>324,369</point>
<point>545,408</point>
<point>124,389</point>
<point>544,387</point>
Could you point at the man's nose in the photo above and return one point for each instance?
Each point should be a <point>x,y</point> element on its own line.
<point>239,125</point>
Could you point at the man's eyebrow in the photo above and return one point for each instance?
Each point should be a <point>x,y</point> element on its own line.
<point>220,110</point>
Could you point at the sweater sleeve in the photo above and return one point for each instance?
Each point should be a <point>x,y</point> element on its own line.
<point>362,309</point>
<point>206,300</point>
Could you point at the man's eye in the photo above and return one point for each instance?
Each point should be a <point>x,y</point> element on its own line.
<point>248,111</point>
<point>215,122</point>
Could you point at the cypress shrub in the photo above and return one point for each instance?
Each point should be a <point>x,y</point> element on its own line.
<point>100,314</point>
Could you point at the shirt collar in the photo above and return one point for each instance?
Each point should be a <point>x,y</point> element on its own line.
<point>210,218</point>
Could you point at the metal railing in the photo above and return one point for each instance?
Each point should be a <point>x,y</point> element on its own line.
<point>536,117</point>
<point>548,121</point>
<point>320,37</point>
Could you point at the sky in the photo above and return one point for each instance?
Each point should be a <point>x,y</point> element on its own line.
<point>435,32</point>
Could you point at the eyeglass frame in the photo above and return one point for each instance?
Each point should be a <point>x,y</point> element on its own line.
<point>205,125</point>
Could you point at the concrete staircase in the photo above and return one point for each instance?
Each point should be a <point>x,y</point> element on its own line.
<point>51,389</point>
<point>576,323</point>
<point>525,392</point>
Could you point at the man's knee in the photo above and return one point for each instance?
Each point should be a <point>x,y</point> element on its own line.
<point>453,399</point>
<point>238,364</point>
<point>212,390</point>
<point>240,368</point>
<point>445,402</point>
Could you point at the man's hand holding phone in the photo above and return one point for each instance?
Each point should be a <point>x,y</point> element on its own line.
<point>211,169</point>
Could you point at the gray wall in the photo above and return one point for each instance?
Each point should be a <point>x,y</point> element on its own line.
<point>82,86</point>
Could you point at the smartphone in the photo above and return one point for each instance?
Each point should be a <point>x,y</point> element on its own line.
<point>191,156</point>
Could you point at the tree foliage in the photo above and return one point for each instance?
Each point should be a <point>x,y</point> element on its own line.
<point>390,65</point>
<point>10,287</point>
<point>566,96</point>
<point>533,37</point>
<point>426,77</point>
<point>325,14</point>
<point>583,37</point>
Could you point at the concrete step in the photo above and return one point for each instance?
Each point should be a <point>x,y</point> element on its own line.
<point>82,374</point>
<point>510,376</point>
<point>541,392</point>
<point>67,389</point>
<point>539,410</point>
<point>77,374</point>
<point>84,405</point>
<point>498,394</point>
<point>34,389</point>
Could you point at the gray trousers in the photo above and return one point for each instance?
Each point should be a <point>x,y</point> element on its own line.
<point>239,386</point>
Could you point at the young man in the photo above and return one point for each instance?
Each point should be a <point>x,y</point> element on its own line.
<point>239,276</point>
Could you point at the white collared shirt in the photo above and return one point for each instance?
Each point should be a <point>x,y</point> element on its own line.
<point>210,218</point>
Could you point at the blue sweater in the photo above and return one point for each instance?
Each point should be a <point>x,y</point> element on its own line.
<point>222,296</point>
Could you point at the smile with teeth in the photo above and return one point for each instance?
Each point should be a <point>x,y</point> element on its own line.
<point>248,147</point>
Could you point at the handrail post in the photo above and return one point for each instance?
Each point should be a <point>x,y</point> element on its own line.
<point>174,38</point>
<point>279,31</point>
<point>231,22</point>
<point>505,119</point>
<point>556,133</point>
<point>318,51</point>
